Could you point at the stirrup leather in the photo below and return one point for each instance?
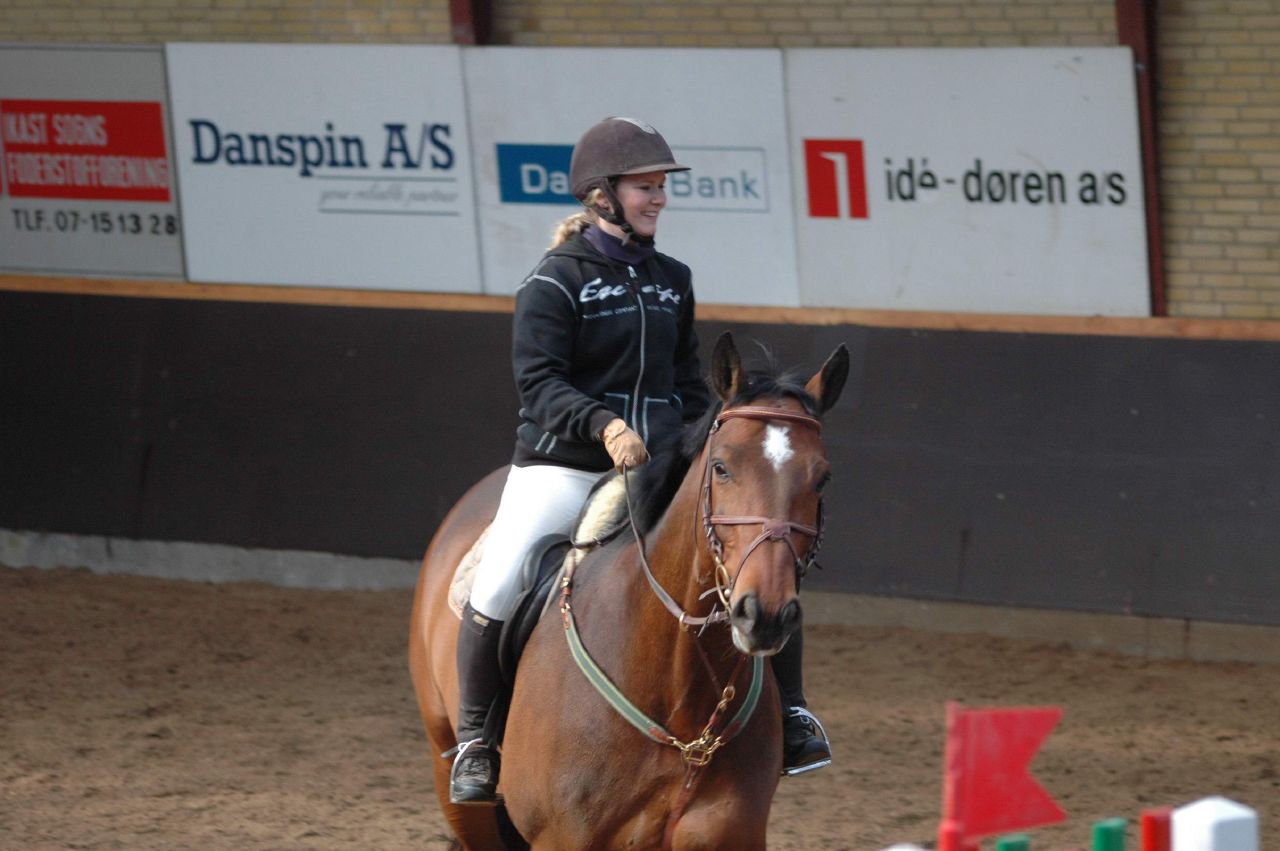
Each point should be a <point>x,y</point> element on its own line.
<point>822,733</point>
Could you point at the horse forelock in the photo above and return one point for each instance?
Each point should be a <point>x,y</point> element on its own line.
<point>655,484</point>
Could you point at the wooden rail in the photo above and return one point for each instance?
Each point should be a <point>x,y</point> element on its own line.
<point>1176,327</point>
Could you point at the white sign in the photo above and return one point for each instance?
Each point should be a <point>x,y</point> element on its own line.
<point>730,218</point>
<point>333,165</point>
<point>995,180</point>
<point>86,176</point>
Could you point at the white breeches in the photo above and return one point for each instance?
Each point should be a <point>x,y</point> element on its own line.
<point>536,501</point>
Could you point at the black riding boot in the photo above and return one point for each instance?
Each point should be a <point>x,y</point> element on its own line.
<point>805,746</point>
<point>474,776</point>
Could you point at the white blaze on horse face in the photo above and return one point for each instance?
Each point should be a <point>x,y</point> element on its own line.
<point>777,446</point>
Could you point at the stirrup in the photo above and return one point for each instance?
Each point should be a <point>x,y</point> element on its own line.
<point>457,752</point>
<point>822,734</point>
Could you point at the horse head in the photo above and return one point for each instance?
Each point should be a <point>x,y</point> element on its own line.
<point>765,469</point>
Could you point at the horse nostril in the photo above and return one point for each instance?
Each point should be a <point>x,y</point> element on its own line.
<point>790,617</point>
<point>747,609</point>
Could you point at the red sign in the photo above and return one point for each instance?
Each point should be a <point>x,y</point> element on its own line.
<point>89,150</point>
<point>836,178</point>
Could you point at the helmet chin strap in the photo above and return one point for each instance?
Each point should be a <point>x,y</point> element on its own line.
<point>614,216</point>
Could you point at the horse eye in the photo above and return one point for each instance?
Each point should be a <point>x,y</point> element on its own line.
<point>719,469</point>
<point>823,482</point>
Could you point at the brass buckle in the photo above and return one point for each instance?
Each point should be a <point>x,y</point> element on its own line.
<point>698,753</point>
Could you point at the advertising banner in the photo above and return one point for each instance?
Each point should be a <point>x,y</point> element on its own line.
<point>86,180</point>
<point>730,218</point>
<point>325,165</point>
<point>994,180</point>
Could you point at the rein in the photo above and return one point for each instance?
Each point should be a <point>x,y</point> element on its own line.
<point>686,620</point>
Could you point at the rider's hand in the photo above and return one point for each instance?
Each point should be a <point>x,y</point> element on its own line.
<point>623,445</point>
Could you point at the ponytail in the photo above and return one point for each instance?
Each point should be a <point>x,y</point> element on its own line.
<point>570,227</point>
<point>579,221</point>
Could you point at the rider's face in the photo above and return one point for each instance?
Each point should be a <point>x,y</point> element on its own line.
<point>642,197</point>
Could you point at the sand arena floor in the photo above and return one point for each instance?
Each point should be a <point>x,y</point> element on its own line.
<point>147,714</point>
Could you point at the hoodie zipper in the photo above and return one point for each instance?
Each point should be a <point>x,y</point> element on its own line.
<point>635,407</point>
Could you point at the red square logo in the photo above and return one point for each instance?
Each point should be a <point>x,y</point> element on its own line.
<point>836,177</point>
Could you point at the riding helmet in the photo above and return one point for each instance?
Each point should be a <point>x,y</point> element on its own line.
<point>618,146</point>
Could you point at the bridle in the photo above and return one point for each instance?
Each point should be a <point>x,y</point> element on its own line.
<point>772,529</point>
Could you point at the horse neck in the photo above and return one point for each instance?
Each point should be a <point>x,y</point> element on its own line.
<point>676,550</point>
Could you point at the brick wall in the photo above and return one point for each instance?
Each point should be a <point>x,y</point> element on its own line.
<point>779,23</point>
<point>144,21</point>
<point>1219,107</point>
<point>1219,73</point>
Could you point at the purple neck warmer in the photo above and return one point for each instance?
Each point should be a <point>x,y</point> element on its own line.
<point>610,246</point>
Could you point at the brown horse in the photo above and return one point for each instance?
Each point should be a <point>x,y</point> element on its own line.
<point>728,520</point>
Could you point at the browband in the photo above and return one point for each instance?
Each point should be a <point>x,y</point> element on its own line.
<point>756,412</point>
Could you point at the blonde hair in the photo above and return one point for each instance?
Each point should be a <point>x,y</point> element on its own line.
<point>579,221</point>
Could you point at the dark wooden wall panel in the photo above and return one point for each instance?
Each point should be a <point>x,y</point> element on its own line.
<point>1114,474</point>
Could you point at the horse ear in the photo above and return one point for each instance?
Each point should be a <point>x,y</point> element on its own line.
<point>726,368</point>
<point>826,384</point>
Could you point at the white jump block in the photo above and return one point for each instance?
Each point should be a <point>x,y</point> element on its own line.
<point>904,847</point>
<point>1215,824</point>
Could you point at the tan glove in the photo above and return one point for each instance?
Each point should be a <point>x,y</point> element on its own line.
<point>623,445</point>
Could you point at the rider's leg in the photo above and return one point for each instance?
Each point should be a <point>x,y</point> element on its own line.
<point>474,778</point>
<point>536,501</point>
<point>804,741</point>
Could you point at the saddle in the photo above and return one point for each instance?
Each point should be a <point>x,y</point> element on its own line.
<point>603,516</point>
<point>538,575</point>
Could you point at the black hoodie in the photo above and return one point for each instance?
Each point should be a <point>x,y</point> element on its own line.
<point>585,352</point>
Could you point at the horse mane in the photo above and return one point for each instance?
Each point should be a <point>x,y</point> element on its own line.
<point>654,484</point>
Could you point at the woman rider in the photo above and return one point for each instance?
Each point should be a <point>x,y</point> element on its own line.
<point>598,380</point>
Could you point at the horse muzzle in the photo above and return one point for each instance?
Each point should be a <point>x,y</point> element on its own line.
<point>760,633</point>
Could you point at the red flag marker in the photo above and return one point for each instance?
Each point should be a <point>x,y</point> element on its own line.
<point>987,784</point>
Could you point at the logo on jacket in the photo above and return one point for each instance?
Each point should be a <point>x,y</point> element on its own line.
<point>595,290</point>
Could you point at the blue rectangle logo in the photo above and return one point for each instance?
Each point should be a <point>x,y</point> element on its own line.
<point>534,174</point>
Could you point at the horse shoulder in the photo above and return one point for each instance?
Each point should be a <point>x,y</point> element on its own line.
<point>558,719</point>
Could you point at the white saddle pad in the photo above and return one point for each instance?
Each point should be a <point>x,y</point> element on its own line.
<point>465,575</point>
